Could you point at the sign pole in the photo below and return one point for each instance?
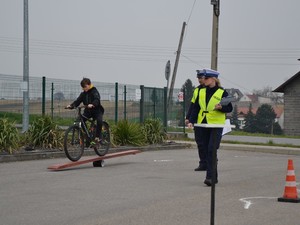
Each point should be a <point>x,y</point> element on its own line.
<point>213,181</point>
<point>214,163</point>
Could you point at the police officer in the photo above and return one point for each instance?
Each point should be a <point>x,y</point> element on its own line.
<point>189,120</point>
<point>211,112</point>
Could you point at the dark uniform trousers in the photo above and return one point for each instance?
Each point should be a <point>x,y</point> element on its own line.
<point>208,146</point>
<point>201,152</point>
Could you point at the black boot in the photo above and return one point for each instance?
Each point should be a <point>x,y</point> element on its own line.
<point>208,182</point>
<point>201,167</point>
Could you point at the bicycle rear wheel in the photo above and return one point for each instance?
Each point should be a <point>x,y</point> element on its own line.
<point>102,148</point>
<point>73,143</point>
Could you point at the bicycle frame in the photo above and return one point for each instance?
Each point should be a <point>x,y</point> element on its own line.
<point>82,124</point>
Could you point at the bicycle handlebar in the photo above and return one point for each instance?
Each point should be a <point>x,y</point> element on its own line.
<point>78,107</point>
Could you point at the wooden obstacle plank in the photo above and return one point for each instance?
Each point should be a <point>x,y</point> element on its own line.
<point>107,156</point>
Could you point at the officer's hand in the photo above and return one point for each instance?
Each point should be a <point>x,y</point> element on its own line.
<point>90,106</point>
<point>69,107</point>
<point>187,121</point>
<point>190,125</point>
<point>218,106</point>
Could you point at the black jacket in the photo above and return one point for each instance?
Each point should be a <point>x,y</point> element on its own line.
<point>92,96</point>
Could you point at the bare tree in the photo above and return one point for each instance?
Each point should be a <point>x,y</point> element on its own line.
<point>276,98</point>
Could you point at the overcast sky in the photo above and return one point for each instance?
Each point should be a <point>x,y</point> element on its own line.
<point>130,41</point>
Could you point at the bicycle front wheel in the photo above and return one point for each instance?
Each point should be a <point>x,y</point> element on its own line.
<point>102,148</point>
<point>74,143</point>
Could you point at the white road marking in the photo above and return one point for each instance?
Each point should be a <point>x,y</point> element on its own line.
<point>247,201</point>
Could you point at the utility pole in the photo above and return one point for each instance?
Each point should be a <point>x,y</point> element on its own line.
<point>25,84</point>
<point>176,66</point>
<point>215,33</point>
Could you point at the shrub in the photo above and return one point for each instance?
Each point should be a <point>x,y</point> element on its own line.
<point>126,133</point>
<point>44,133</point>
<point>9,136</point>
<point>154,131</point>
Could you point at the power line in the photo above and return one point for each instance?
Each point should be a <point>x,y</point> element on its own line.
<point>96,47</point>
<point>188,20</point>
<point>230,56</point>
<point>235,56</point>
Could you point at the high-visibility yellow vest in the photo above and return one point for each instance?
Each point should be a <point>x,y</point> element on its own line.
<point>212,116</point>
<point>195,95</point>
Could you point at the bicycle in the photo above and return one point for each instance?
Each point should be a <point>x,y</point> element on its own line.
<point>80,135</point>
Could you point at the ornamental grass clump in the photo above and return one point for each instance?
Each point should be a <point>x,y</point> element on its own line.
<point>127,133</point>
<point>154,131</point>
<point>9,136</point>
<point>44,133</point>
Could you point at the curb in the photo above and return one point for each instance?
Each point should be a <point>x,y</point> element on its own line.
<point>256,148</point>
<point>51,154</point>
<point>262,149</point>
<point>171,145</point>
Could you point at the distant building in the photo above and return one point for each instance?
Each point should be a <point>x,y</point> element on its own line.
<point>291,90</point>
<point>249,98</point>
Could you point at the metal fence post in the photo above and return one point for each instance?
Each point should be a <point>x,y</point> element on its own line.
<point>116,102</point>
<point>165,121</point>
<point>52,108</point>
<point>142,103</point>
<point>43,96</point>
<point>125,102</point>
<point>154,103</point>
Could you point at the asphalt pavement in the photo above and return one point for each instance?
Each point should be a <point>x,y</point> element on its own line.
<point>153,187</point>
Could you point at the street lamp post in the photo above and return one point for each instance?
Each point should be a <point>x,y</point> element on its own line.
<point>25,84</point>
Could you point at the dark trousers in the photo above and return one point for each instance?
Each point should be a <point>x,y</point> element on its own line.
<point>96,116</point>
<point>208,146</point>
<point>201,150</point>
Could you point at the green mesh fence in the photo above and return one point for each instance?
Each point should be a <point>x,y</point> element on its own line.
<point>58,93</point>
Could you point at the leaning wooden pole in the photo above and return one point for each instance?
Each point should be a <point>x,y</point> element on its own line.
<point>175,67</point>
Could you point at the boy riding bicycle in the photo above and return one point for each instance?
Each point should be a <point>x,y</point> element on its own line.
<point>90,97</point>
